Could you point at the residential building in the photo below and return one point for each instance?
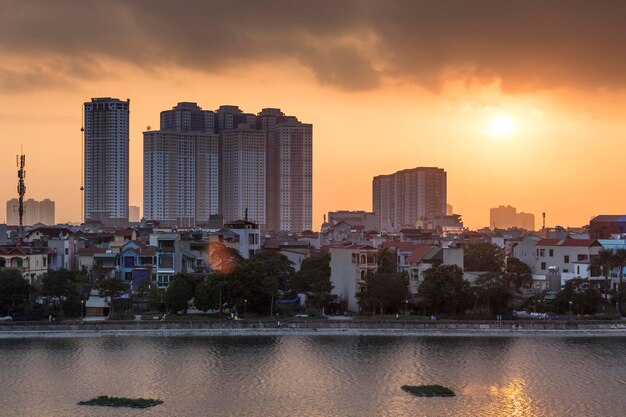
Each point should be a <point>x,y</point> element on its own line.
<point>106,161</point>
<point>289,181</point>
<point>353,218</point>
<point>425,257</point>
<point>507,217</point>
<point>403,198</point>
<point>32,262</point>
<point>34,212</point>
<point>249,237</point>
<point>188,117</point>
<point>602,227</point>
<point>181,182</point>
<point>243,191</point>
<point>349,265</point>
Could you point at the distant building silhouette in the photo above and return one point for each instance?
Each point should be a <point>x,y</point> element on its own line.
<point>34,212</point>
<point>134,214</point>
<point>506,217</point>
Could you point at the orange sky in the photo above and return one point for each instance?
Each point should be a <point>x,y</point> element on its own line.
<point>376,104</point>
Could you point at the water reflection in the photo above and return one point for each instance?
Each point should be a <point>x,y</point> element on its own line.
<point>315,376</point>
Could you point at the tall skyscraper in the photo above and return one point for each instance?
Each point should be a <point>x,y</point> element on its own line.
<point>181,183</point>
<point>106,161</point>
<point>243,171</point>
<point>188,117</point>
<point>291,169</point>
<point>401,199</point>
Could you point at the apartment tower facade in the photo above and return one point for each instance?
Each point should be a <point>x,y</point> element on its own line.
<point>399,200</point>
<point>106,161</point>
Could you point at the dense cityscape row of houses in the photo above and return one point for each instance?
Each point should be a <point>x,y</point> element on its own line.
<point>148,253</point>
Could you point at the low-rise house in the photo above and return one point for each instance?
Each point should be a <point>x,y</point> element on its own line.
<point>425,257</point>
<point>349,265</point>
<point>32,262</point>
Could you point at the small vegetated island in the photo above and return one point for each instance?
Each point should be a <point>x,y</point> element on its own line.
<point>107,401</point>
<point>429,390</point>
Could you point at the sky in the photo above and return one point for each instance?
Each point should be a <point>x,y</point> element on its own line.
<point>522,103</point>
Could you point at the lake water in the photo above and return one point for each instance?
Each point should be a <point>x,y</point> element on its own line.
<point>315,376</point>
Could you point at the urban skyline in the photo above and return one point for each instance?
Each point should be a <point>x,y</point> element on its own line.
<point>376,106</point>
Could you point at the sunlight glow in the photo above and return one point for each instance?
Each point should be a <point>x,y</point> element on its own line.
<point>500,126</point>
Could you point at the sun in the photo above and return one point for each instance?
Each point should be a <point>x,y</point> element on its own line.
<point>500,126</point>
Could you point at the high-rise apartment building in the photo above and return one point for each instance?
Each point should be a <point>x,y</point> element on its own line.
<point>505,217</point>
<point>180,179</point>
<point>34,212</point>
<point>243,184</point>
<point>188,117</point>
<point>289,171</point>
<point>403,198</point>
<point>260,165</point>
<point>106,161</point>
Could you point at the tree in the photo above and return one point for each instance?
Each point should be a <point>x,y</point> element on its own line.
<point>270,264</point>
<point>601,265</point>
<point>387,262</point>
<point>223,259</point>
<point>14,291</point>
<point>583,297</point>
<point>518,275</point>
<point>313,278</point>
<point>61,287</point>
<point>111,288</point>
<point>384,290</point>
<point>179,292</point>
<point>494,291</point>
<point>483,257</point>
<point>619,260</point>
<point>445,291</point>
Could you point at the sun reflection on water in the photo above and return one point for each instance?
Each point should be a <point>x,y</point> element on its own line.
<point>512,400</point>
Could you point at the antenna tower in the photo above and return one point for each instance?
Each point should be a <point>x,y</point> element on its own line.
<point>21,187</point>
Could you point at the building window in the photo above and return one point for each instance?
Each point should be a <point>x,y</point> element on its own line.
<point>551,252</point>
<point>543,266</point>
<point>582,258</point>
<point>566,259</point>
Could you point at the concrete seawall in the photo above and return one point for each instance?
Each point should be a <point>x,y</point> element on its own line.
<point>313,327</point>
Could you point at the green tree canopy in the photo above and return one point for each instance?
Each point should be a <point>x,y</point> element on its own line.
<point>179,292</point>
<point>111,287</point>
<point>494,292</point>
<point>387,262</point>
<point>14,291</point>
<point>580,292</point>
<point>445,291</point>
<point>518,275</point>
<point>223,259</point>
<point>62,288</point>
<point>384,290</point>
<point>483,257</point>
<point>313,278</point>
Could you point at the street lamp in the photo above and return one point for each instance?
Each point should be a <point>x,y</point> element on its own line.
<point>82,309</point>
<point>570,308</point>
<point>406,307</point>
<point>245,307</point>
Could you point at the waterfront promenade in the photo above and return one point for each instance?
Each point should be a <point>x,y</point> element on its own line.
<point>281,327</point>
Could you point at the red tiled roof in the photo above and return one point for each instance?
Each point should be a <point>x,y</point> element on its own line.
<point>90,251</point>
<point>402,246</point>
<point>418,254</point>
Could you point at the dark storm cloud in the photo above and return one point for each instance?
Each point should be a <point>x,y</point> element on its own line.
<point>349,44</point>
